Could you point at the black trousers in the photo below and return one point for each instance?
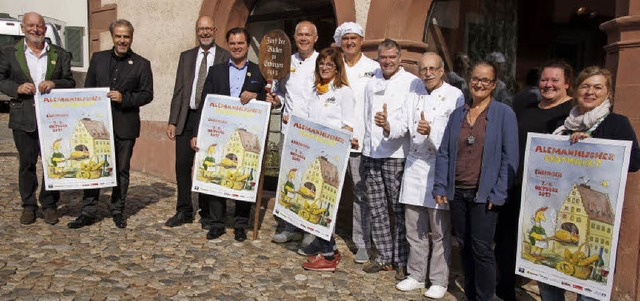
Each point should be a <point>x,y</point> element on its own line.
<point>28,147</point>
<point>474,227</point>
<point>124,150</point>
<point>218,210</point>
<point>507,245</point>
<point>184,165</point>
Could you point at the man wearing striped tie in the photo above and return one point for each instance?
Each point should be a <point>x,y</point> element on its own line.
<point>192,72</point>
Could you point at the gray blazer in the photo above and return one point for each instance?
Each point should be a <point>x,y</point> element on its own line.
<point>184,82</point>
<point>14,72</point>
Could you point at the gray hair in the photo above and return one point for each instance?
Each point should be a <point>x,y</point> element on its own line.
<point>121,22</point>
<point>388,44</point>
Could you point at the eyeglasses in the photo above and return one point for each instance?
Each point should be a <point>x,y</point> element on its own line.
<point>326,66</point>
<point>209,29</point>
<point>426,70</point>
<point>484,81</point>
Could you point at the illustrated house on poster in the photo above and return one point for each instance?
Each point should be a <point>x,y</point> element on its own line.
<point>587,214</point>
<point>93,135</point>
<point>319,190</point>
<point>242,151</point>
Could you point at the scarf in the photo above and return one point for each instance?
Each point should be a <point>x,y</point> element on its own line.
<point>323,88</point>
<point>586,122</point>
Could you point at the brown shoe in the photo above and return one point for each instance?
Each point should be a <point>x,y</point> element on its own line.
<point>51,216</point>
<point>28,216</point>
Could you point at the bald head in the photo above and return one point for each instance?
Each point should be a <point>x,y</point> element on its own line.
<point>431,70</point>
<point>206,32</point>
<point>33,28</point>
<point>306,37</point>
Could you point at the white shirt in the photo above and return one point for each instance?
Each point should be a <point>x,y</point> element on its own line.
<point>211,56</point>
<point>333,108</point>
<point>417,182</point>
<point>393,92</point>
<point>436,107</point>
<point>298,86</point>
<point>37,64</point>
<point>358,76</point>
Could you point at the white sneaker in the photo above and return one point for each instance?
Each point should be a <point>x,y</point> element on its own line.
<point>435,292</point>
<point>409,284</point>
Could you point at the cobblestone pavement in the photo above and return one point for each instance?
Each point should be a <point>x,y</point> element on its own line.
<point>147,261</point>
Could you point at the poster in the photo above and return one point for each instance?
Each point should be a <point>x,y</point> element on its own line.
<point>231,143</point>
<point>76,138</point>
<point>312,169</point>
<point>571,210</point>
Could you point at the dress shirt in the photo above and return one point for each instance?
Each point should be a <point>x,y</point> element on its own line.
<point>393,92</point>
<point>333,108</point>
<point>37,64</point>
<point>236,78</point>
<point>210,57</point>
<point>359,75</point>
<point>297,88</point>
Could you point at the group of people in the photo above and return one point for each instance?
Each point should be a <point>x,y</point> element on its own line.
<point>34,66</point>
<point>438,161</point>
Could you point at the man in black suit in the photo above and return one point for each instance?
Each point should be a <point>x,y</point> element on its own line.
<point>27,67</point>
<point>238,78</point>
<point>192,71</point>
<point>130,80</point>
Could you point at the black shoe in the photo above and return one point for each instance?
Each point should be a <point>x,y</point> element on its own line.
<point>179,219</point>
<point>215,233</point>
<point>80,222</point>
<point>119,221</point>
<point>401,272</point>
<point>239,234</point>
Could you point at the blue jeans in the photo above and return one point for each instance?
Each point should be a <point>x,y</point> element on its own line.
<point>474,227</point>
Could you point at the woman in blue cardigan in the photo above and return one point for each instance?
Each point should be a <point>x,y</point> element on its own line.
<point>476,164</point>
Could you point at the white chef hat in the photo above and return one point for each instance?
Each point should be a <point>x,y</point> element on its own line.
<point>345,28</point>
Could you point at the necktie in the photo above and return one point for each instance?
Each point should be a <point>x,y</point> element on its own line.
<point>202,75</point>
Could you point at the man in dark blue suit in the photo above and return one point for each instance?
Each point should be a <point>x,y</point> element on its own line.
<point>130,81</point>
<point>238,78</point>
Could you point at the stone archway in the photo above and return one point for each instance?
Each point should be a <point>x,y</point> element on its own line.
<point>408,32</point>
<point>231,13</point>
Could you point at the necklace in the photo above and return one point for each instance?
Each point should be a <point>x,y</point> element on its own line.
<point>472,139</point>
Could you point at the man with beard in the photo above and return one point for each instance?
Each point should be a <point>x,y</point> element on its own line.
<point>130,81</point>
<point>295,90</point>
<point>236,78</point>
<point>30,66</point>
<point>187,92</point>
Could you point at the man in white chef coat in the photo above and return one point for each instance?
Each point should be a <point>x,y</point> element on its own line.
<point>385,96</point>
<point>425,118</point>
<point>360,69</point>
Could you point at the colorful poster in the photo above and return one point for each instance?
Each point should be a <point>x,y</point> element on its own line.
<point>76,138</point>
<point>231,139</point>
<point>312,169</point>
<point>571,209</point>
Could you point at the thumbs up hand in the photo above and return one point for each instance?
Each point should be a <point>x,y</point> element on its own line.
<point>423,125</point>
<point>381,119</point>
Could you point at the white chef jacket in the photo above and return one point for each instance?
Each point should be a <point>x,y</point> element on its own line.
<point>358,76</point>
<point>333,108</point>
<point>298,86</point>
<point>417,182</point>
<point>394,93</point>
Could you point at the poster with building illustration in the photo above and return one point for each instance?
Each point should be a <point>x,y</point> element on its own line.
<point>76,138</point>
<point>231,139</point>
<point>571,210</point>
<point>312,169</point>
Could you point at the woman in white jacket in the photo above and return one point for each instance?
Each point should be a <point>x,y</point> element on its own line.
<point>331,105</point>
